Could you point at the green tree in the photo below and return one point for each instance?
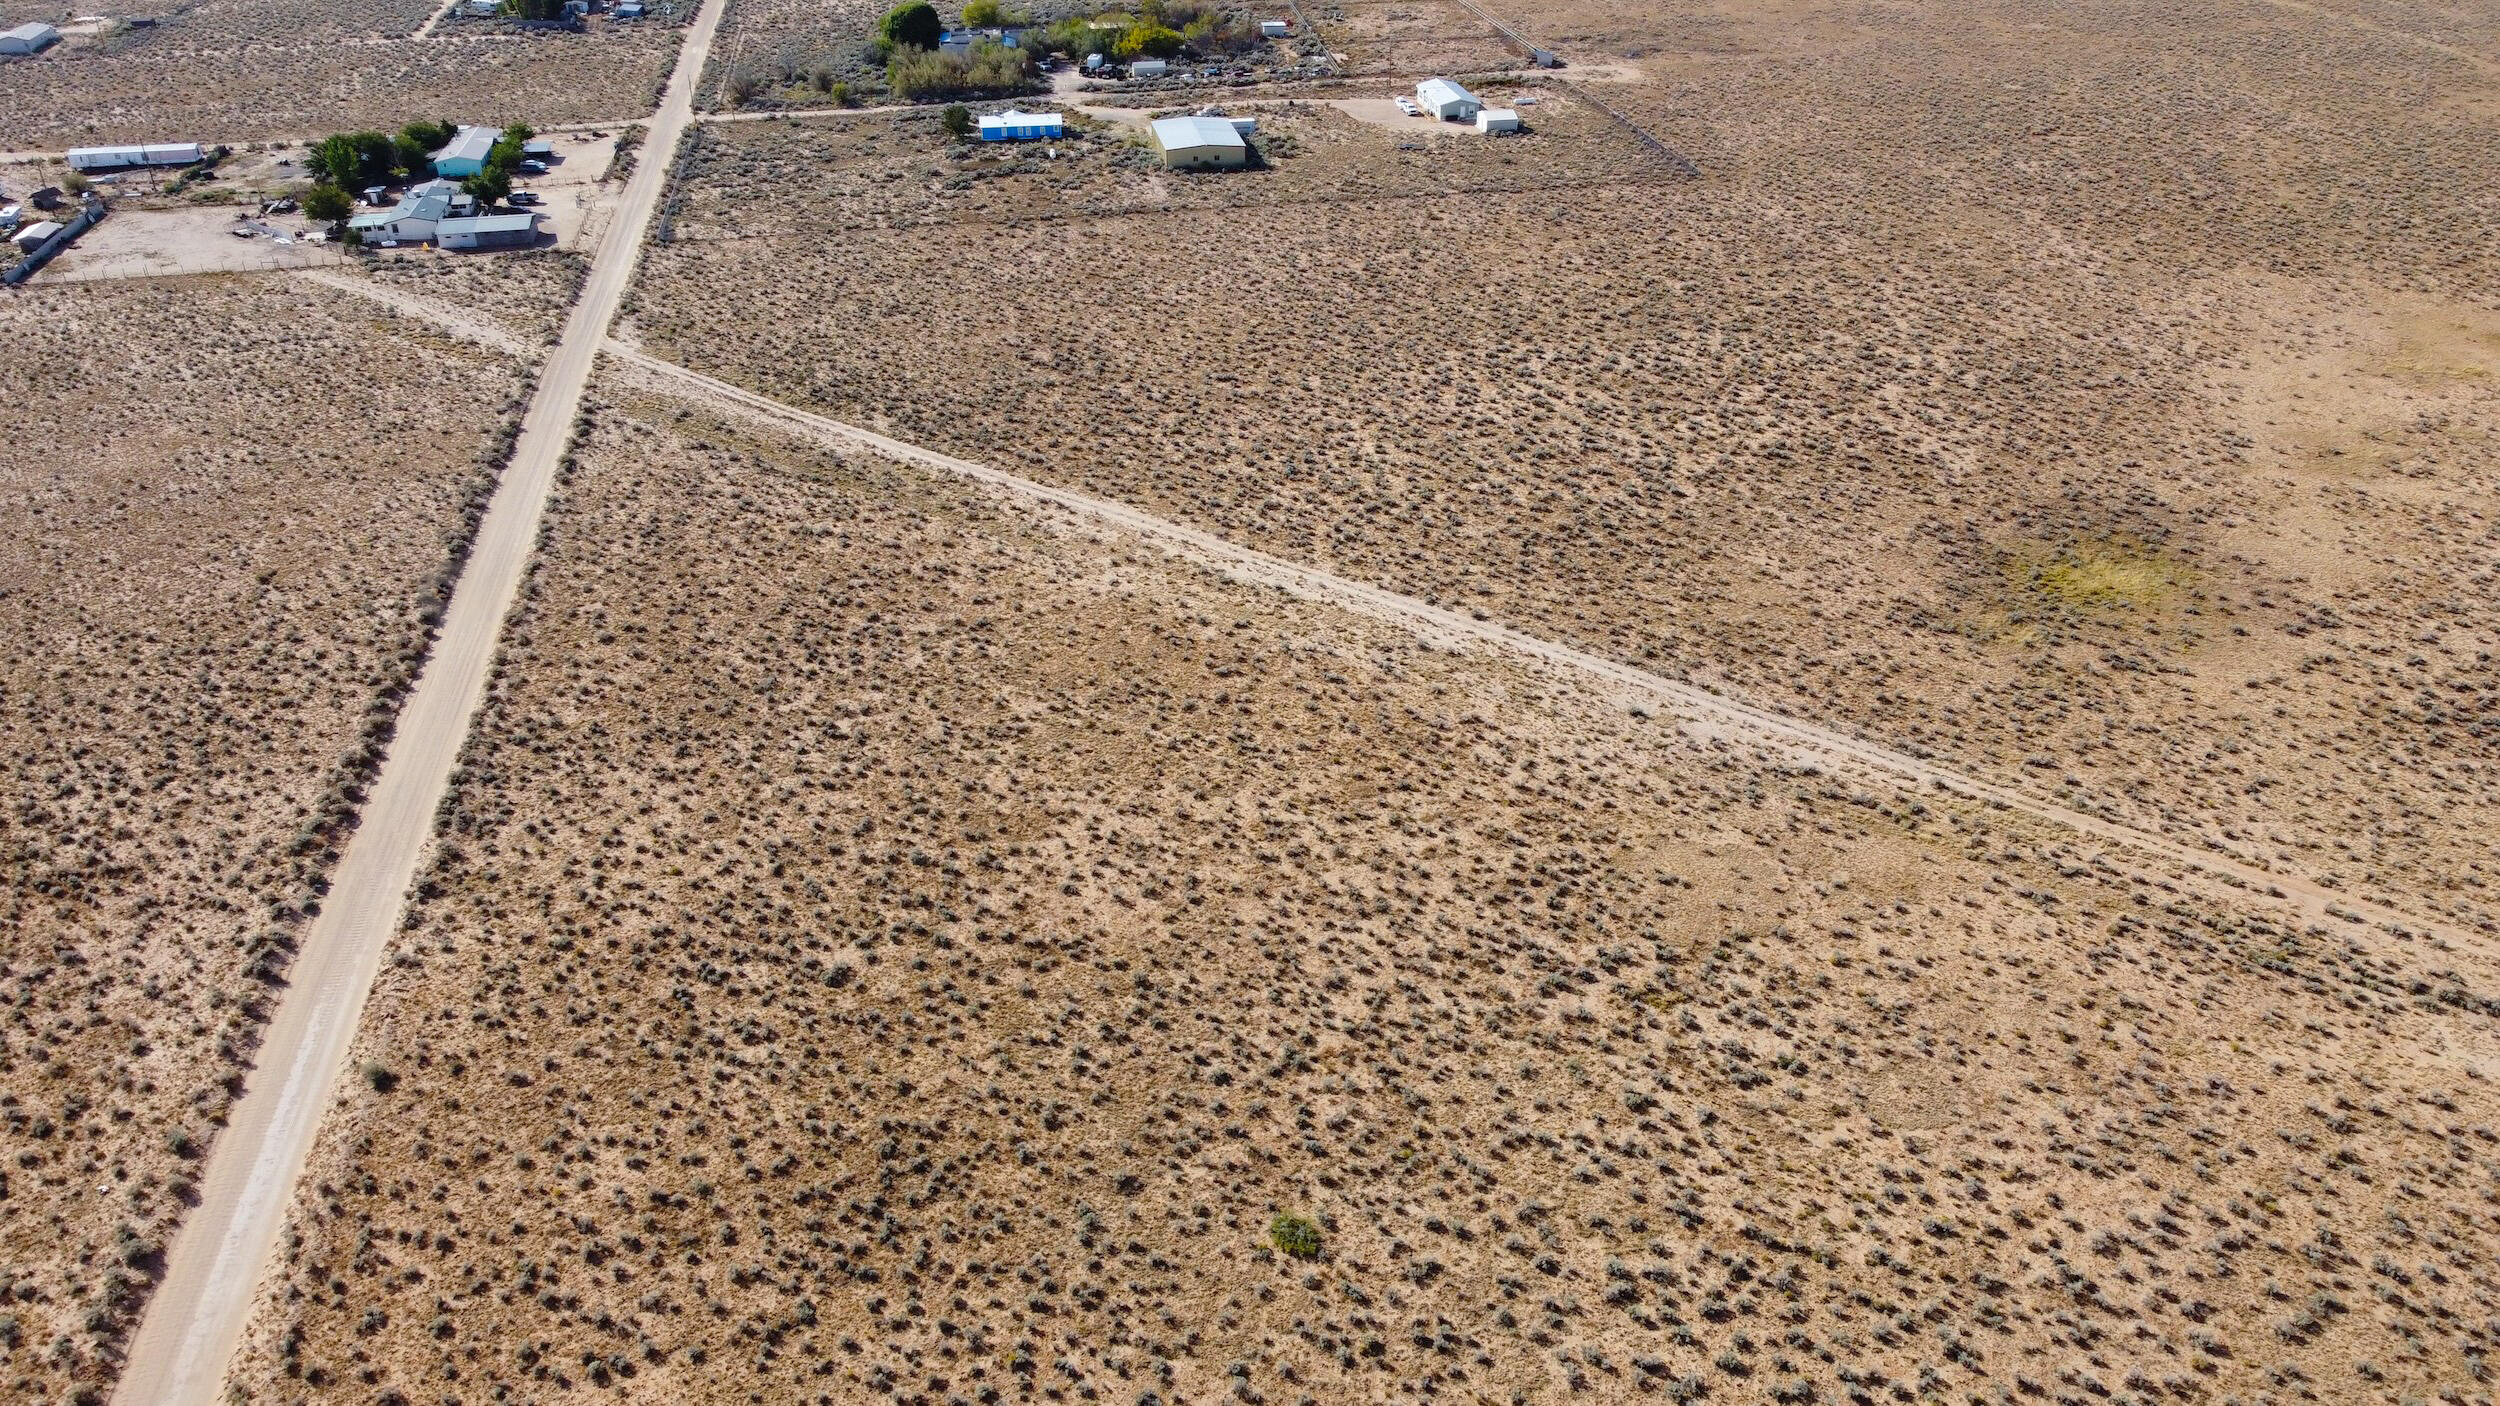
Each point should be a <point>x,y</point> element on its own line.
<point>353,160</point>
<point>957,119</point>
<point>1146,39</point>
<point>988,13</point>
<point>913,26</point>
<point>329,204</point>
<point>489,185</point>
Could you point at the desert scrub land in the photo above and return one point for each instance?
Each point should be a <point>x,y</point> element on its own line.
<point>161,86</point>
<point>1411,39</point>
<point>2157,482</point>
<point>528,292</point>
<point>792,52</point>
<point>233,504</point>
<point>889,946</point>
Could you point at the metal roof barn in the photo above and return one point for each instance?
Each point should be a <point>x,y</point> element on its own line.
<point>31,37</point>
<point>1188,142</point>
<point>465,154</point>
<point>488,232</point>
<point>1447,101</point>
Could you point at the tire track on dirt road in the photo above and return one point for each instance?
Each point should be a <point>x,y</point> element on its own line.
<point>201,1307</point>
<point>2230,877</point>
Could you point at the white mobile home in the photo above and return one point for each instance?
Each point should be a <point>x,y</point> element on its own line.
<point>1014,126</point>
<point>115,158</point>
<point>1447,101</point>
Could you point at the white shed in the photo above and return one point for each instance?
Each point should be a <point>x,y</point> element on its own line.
<point>1497,119</point>
<point>518,231</point>
<point>32,37</point>
<point>36,233</point>
<point>1274,29</point>
<point>1189,143</point>
<point>1447,101</point>
<point>1148,68</point>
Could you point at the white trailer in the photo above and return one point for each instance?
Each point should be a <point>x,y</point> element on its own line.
<point>115,158</point>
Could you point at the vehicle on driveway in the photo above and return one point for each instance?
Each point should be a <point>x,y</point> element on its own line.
<point>1407,106</point>
<point>534,168</point>
<point>522,197</point>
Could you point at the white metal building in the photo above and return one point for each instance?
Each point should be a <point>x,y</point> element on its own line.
<point>1447,101</point>
<point>114,158</point>
<point>31,37</point>
<point>1497,119</point>
<point>1189,143</point>
<point>35,234</point>
<point>488,232</point>
<point>1274,29</point>
<point>1148,68</point>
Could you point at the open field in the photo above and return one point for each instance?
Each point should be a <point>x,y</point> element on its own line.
<point>890,946</point>
<point>233,504</point>
<point>2135,453</point>
<point>156,89</point>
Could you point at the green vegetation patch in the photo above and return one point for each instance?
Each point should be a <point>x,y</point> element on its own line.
<point>2101,576</point>
<point>1296,1236</point>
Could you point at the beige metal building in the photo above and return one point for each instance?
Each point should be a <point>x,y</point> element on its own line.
<point>1193,143</point>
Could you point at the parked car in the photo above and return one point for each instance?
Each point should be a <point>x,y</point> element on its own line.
<point>534,168</point>
<point>523,197</point>
<point>1407,106</point>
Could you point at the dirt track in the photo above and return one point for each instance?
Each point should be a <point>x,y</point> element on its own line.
<point>1697,707</point>
<point>200,1308</point>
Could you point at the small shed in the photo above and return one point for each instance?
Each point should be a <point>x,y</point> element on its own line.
<point>465,154</point>
<point>1148,68</point>
<point>630,10</point>
<point>35,234</point>
<point>1193,143</point>
<point>1447,101</point>
<point>515,231</point>
<point>1274,29</point>
<point>1014,126</point>
<point>539,149</point>
<point>1497,119</point>
<point>32,37</point>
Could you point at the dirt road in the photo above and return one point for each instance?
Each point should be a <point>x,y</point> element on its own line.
<point>213,1273</point>
<point>1702,711</point>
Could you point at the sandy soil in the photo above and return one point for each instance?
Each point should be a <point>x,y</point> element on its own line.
<point>890,946</point>
<point>231,535</point>
<point>154,243</point>
<point>2142,484</point>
